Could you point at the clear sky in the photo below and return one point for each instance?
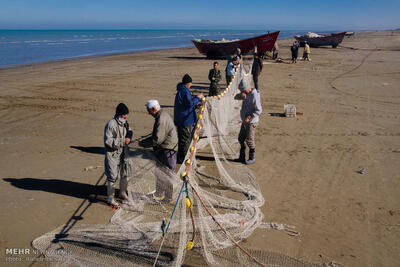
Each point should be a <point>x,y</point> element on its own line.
<point>200,14</point>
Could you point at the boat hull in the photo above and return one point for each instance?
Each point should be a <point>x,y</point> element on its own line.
<point>211,49</point>
<point>333,40</point>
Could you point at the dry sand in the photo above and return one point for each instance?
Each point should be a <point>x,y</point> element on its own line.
<point>52,119</point>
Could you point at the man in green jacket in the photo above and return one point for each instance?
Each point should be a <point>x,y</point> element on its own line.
<point>164,137</point>
<point>214,75</point>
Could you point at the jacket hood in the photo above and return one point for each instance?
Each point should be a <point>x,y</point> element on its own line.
<point>179,86</point>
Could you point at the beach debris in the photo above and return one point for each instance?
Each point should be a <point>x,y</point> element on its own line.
<point>281,227</point>
<point>362,171</point>
<point>90,168</point>
<point>290,110</point>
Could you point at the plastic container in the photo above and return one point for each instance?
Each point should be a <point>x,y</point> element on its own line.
<point>290,110</point>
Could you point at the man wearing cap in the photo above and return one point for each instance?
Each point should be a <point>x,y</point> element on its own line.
<point>256,69</point>
<point>231,69</point>
<point>164,137</point>
<point>117,135</point>
<point>250,112</point>
<point>185,115</point>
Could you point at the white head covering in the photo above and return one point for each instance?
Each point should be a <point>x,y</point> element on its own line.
<point>153,104</point>
<point>244,84</point>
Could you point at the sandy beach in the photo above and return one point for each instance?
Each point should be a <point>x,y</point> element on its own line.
<point>51,141</point>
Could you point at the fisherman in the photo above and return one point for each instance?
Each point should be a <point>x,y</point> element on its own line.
<point>256,69</point>
<point>239,54</point>
<point>117,136</point>
<point>250,112</point>
<point>231,68</point>
<point>214,76</point>
<point>164,137</point>
<point>306,53</point>
<point>185,116</point>
<point>275,51</point>
<point>295,50</point>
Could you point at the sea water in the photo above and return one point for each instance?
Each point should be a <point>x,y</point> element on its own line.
<point>33,46</point>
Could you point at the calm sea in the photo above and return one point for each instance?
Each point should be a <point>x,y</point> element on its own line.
<point>33,46</point>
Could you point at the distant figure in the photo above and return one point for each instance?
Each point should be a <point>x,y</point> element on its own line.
<point>306,53</point>
<point>231,69</point>
<point>164,136</point>
<point>185,116</point>
<point>295,51</point>
<point>117,135</point>
<point>275,51</point>
<point>214,75</point>
<point>239,54</point>
<point>250,112</point>
<point>256,69</point>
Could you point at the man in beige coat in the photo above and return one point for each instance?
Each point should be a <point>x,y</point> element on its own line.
<point>164,136</point>
<point>117,135</point>
<point>307,51</point>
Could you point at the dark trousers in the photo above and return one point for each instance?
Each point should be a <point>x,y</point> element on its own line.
<point>255,80</point>
<point>167,157</point>
<point>184,138</point>
<point>213,89</point>
<point>228,79</point>
<point>294,57</point>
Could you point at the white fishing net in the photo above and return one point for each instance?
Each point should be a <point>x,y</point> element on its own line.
<point>167,220</point>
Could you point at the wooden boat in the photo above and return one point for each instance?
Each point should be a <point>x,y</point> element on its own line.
<point>333,39</point>
<point>225,48</point>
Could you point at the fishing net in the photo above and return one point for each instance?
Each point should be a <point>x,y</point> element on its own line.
<point>202,211</point>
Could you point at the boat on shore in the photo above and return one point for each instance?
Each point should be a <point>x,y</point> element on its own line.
<point>225,48</point>
<point>316,40</point>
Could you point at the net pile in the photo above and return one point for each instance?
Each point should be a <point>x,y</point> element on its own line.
<point>202,211</point>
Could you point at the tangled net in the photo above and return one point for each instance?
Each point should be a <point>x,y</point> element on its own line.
<point>202,212</point>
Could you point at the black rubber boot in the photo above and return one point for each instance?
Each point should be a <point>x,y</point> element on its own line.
<point>242,155</point>
<point>252,157</point>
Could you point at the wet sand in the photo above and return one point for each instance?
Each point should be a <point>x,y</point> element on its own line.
<point>53,115</point>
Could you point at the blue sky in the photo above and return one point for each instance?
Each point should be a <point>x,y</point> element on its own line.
<point>164,14</point>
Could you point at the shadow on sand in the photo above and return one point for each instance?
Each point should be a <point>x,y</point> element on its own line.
<point>90,149</point>
<point>61,187</point>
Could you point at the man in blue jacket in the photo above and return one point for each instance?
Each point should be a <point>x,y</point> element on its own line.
<point>185,116</point>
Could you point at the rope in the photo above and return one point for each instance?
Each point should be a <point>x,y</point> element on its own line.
<point>169,222</point>
<point>225,231</point>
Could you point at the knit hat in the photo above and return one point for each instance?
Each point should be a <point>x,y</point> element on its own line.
<point>121,109</point>
<point>186,79</point>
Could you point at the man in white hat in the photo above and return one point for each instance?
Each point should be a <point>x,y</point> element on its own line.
<point>164,137</point>
<point>250,112</point>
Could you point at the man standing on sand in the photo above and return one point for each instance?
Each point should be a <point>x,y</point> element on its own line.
<point>214,75</point>
<point>306,53</point>
<point>164,137</point>
<point>231,69</point>
<point>256,69</point>
<point>250,112</point>
<point>185,116</point>
<point>275,51</point>
<point>117,135</point>
<point>295,50</point>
